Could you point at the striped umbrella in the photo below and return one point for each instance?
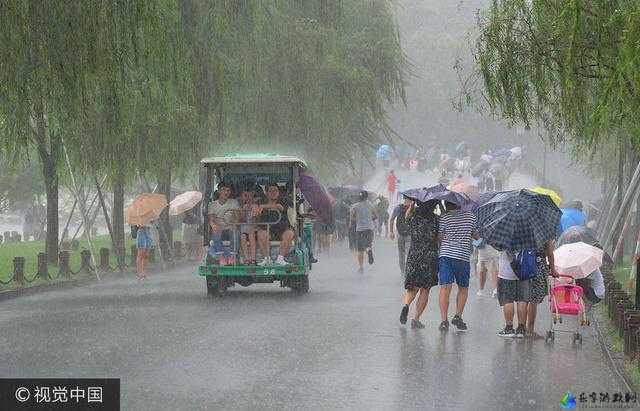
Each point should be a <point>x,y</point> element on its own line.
<point>518,220</point>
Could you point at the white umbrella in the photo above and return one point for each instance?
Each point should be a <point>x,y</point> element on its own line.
<point>577,259</point>
<point>184,202</point>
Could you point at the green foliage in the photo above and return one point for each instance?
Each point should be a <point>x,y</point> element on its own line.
<point>570,65</point>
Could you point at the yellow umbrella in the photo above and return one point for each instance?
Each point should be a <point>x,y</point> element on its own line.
<point>555,197</point>
<point>145,208</point>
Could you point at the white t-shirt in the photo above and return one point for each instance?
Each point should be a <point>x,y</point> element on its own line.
<point>597,283</point>
<point>218,210</point>
<point>504,267</point>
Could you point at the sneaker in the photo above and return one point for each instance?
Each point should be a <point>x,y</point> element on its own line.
<point>222,260</point>
<point>444,326</point>
<point>507,332</point>
<point>370,256</point>
<point>265,261</point>
<point>480,293</point>
<point>403,314</point>
<point>416,324</point>
<point>520,331</point>
<point>280,261</point>
<point>457,321</point>
<point>494,294</point>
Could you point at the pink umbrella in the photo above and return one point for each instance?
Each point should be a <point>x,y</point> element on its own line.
<point>184,202</point>
<point>577,259</point>
<point>472,191</point>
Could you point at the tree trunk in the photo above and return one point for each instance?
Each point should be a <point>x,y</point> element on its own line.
<point>51,186</point>
<point>166,231</point>
<point>118,217</point>
<point>48,146</point>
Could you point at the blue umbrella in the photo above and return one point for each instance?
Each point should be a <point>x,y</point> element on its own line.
<point>518,220</point>
<point>571,217</point>
<point>383,151</point>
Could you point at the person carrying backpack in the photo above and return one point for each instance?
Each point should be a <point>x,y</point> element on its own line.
<point>512,290</point>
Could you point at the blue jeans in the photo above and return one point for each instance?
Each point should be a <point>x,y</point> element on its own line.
<point>218,237</point>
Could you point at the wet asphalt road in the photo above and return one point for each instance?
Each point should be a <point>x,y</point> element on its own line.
<point>338,347</point>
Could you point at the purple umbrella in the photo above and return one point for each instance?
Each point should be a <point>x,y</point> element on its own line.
<point>317,197</point>
<point>456,198</point>
<point>422,194</point>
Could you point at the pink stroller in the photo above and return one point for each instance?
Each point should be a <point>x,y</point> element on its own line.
<point>565,299</point>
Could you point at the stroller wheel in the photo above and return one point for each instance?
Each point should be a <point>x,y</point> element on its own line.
<point>560,319</point>
<point>550,336</point>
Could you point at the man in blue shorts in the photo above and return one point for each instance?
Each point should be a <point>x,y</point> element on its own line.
<point>455,232</point>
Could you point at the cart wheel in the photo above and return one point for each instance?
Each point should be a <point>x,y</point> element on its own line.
<point>215,288</point>
<point>549,338</point>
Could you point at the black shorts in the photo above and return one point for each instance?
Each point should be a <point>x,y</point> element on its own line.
<point>364,240</point>
<point>510,291</point>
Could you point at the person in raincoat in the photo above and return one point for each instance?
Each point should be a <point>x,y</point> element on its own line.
<point>572,216</point>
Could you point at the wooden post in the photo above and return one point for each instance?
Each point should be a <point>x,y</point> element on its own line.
<point>18,270</point>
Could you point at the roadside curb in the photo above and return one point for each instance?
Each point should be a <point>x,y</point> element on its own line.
<point>58,285</point>
<point>616,362</point>
<point>66,284</point>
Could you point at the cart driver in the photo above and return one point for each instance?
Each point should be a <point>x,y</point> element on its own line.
<point>271,210</point>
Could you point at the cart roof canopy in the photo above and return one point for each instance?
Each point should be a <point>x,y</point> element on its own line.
<point>262,158</point>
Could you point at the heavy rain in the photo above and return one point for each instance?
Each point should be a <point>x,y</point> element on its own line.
<point>319,204</point>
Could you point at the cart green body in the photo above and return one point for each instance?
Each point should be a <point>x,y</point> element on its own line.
<point>258,168</point>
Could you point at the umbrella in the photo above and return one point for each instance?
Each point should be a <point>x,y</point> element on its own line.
<point>184,202</point>
<point>317,197</point>
<point>578,234</point>
<point>441,193</point>
<point>422,194</point>
<point>383,152</point>
<point>518,220</point>
<point>145,208</point>
<point>470,190</point>
<point>577,259</point>
<point>554,196</point>
<point>571,217</point>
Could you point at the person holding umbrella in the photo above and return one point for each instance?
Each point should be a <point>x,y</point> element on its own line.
<point>422,259</point>
<point>139,215</point>
<point>521,220</point>
<point>456,230</point>
<point>144,243</point>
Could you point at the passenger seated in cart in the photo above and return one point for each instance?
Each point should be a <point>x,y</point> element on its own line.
<point>219,220</point>
<point>274,209</point>
<point>248,230</point>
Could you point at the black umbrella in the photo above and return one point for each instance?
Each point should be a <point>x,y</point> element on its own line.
<point>518,220</point>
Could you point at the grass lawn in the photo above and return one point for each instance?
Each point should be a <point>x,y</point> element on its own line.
<point>30,249</point>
